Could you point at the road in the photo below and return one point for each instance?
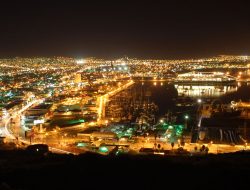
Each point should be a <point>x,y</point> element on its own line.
<point>6,122</point>
<point>6,131</point>
<point>102,100</point>
<point>213,148</point>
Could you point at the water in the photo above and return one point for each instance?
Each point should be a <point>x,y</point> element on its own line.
<point>166,95</point>
<point>162,94</point>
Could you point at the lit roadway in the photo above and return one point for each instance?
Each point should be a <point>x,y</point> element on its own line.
<point>102,100</point>
<point>213,148</point>
<point>150,143</point>
<point>6,121</point>
<point>8,133</point>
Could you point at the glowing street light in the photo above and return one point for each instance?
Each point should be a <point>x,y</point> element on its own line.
<point>106,122</point>
<point>186,117</point>
<point>199,100</point>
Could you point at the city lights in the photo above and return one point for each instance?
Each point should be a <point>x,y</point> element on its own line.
<point>63,97</point>
<point>80,61</point>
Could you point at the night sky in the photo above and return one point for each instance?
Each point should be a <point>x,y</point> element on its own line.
<point>111,29</point>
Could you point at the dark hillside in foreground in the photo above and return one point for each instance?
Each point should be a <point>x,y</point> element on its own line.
<point>20,170</point>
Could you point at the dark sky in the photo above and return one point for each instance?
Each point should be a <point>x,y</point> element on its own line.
<point>110,29</point>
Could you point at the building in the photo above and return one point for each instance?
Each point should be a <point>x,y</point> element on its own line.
<point>78,78</point>
<point>3,113</point>
<point>205,77</point>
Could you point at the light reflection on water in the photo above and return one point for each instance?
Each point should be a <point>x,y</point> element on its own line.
<point>200,90</point>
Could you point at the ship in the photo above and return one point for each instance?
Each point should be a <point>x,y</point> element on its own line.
<point>196,77</point>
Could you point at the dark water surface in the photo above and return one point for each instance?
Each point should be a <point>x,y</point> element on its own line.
<point>166,95</point>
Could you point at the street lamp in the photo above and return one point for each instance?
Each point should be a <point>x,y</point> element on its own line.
<point>211,143</point>
<point>106,122</point>
<point>179,142</point>
<point>199,101</point>
<point>186,117</point>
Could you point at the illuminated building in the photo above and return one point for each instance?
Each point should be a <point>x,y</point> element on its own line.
<point>195,77</point>
<point>78,78</point>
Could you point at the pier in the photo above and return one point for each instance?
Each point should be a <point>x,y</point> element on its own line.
<point>102,100</point>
